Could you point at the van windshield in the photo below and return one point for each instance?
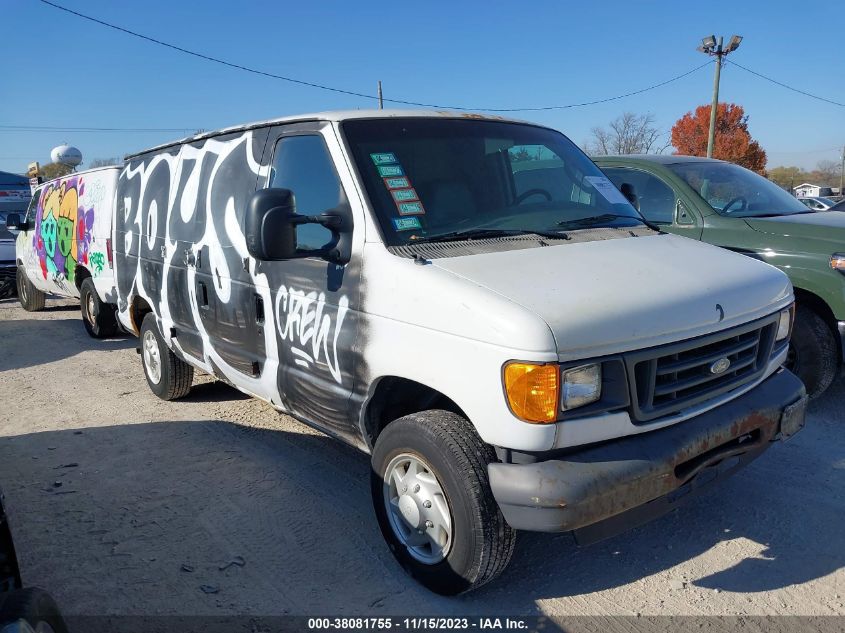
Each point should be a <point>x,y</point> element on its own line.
<point>452,179</point>
<point>737,192</point>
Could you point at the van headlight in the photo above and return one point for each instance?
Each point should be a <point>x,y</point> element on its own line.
<point>580,386</point>
<point>785,323</point>
<point>837,262</point>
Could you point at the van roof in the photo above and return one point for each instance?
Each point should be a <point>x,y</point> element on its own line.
<point>81,173</point>
<point>334,116</point>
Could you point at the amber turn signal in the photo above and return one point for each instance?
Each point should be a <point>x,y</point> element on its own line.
<point>533,391</point>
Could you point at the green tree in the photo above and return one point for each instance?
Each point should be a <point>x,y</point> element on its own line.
<point>54,170</point>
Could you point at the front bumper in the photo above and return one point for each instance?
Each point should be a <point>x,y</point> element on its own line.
<point>605,489</point>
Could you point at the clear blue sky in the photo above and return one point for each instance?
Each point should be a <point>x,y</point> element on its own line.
<point>59,70</point>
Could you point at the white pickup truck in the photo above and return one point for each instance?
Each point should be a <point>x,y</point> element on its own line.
<point>469,300</point>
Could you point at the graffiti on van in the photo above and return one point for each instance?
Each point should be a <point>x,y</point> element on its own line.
<point>302,321</point>
<point>98,262</point>
<point>63,228</point>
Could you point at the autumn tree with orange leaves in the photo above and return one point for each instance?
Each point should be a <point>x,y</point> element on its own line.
<point>733,141</point>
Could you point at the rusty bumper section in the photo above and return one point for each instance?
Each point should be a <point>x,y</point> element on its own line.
<point>606,489</point>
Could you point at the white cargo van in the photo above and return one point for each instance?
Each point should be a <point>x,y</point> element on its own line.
<point>471,301</point>
<point>63,246</point>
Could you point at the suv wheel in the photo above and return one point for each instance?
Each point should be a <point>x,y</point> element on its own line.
<point>813,353</point>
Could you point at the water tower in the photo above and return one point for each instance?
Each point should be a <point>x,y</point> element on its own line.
<point>66,155</point>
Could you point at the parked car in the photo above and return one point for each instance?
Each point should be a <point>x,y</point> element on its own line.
<point>839,206</point>
<point>14,196</point>
<point>471,301</point>
<point>817,203</point>
<point>732,207</point>
<point>22,610</point>
<point>63,246</point>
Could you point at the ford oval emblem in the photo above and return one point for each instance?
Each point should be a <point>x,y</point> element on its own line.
<point>720,366</point>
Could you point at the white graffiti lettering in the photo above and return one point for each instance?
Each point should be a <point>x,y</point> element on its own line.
<point>302,321</point>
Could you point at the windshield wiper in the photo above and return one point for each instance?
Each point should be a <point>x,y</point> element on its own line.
<point>594,220</point>
<point>480,234</point>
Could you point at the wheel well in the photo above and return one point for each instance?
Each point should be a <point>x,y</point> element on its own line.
<point>80,274</point>
<point>395,397</point>
<point>137,311</point>
<point>820,307</point>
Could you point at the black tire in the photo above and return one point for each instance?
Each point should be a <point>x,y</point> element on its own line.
<point>98,317</point>
<point>482,542</point>
<point>175,375</point>
<point>30,297</point>
<point>813,354</point>
<point>33,605</point>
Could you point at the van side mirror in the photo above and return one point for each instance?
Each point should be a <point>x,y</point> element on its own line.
<point>14,222</point>
<point>271,225</point>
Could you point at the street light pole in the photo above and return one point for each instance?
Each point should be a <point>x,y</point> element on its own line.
<point>710,46</point>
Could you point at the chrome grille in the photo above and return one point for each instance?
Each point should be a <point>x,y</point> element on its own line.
<point>668,379</point>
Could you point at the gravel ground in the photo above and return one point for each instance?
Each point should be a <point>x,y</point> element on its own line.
<point>126,505</point>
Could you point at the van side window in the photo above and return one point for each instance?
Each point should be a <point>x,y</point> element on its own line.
<point>303,165</point>
<point>656,198</point>
<point>33,205</point>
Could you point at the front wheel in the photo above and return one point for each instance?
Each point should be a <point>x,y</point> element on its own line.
<point>434,505</point>
<point>98,317</point>
<point>30,610</point>
<point>30,297</point>
<point>168,376</point>
<point>813,353</point>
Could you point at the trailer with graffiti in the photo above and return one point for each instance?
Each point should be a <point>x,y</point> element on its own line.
<point>470,301</point>
<point>63,247</point>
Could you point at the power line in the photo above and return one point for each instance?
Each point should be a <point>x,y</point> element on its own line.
<point>783,85</point>
<point>48,128</point>
<point>362,95</point>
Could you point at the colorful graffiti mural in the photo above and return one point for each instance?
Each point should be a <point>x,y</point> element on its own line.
<point>63,228</point>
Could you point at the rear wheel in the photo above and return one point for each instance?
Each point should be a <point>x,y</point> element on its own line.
<point>813,354</point>
<point>30,610</point>
<point>98,317</point>
<point>168,376</point>
<point>434,505</point>
<point>30,297</point>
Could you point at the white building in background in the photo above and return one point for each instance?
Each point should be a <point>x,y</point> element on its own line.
<point>808,190</point>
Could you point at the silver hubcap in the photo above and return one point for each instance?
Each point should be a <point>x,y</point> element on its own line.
<point>417,509</point>
<point>152,357</point>
<point>90,308</point>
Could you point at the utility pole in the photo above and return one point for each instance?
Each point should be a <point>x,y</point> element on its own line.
<point>380,99</point>
<point>711,47</point>
<point>842,172</point>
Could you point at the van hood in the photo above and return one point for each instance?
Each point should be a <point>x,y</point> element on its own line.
<point>823,225</point>
<point>619,295</point>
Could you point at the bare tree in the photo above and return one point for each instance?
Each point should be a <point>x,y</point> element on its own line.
<point>629,134</point>
<point>104,162</point>
<point>828,170</point>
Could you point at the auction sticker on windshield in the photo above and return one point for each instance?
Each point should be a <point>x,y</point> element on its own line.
<point>607,189</point>
<point>397,183</point>
<point>391,170</point>
<point>410,208</point>
<point>384,158</point>
<point>406,224</point>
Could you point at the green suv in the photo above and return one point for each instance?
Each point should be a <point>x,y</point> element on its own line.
<point>730,206</point>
